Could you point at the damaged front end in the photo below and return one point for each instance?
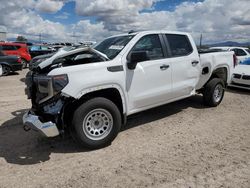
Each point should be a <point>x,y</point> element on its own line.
<point>46,114</point>
<point>45,91</point>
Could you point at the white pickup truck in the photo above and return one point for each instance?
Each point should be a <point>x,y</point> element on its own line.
<point>91,91</point>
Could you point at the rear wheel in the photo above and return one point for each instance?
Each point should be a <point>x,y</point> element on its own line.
<point>5,70</point>
<point>96,123</point>
<point>213,92</point>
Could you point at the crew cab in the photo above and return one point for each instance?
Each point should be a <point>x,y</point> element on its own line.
<point>91,91</point>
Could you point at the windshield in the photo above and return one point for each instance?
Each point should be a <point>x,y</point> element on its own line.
<point>245,62</point>
<point>111,47</point>
<point>248,50</point>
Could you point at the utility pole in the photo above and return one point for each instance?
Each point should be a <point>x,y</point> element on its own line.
<point>40,38</point>
<point>201,40</point>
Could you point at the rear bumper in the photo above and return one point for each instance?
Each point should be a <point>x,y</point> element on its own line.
<point>30,121</point>
<point>16,67</point>
<point>239,85</point>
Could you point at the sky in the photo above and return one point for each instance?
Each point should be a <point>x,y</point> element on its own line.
<point>93,20</point>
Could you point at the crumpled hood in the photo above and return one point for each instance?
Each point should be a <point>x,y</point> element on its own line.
<point>63,53</point>
<point>242,69</point>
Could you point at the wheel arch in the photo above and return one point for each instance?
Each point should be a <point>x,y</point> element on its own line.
<point>111,92</point>
<point>222,73</point>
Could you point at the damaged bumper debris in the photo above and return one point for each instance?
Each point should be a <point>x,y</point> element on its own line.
<point>32,122</point>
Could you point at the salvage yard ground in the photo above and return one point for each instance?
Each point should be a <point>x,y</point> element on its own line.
<point>182,144</point>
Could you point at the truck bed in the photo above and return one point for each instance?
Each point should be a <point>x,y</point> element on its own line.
<point>212,60</point>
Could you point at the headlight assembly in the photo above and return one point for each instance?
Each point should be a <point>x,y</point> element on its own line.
<point>59,82</point>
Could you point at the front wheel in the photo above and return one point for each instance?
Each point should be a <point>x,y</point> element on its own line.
<point>213,92</point>
<point>96,123</point>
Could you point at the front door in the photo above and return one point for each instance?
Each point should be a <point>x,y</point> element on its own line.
<point>150,82</point>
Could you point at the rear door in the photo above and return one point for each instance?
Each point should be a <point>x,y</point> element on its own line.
<point>185,63</point>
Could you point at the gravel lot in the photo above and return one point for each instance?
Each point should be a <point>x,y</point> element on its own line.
<point>182,144</point>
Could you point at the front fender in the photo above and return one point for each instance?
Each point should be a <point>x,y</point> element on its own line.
<point>102,87</point>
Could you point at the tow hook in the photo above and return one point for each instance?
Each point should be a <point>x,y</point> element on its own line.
<point>26,128</point>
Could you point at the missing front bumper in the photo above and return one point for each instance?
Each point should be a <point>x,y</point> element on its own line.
<point>49,129</point>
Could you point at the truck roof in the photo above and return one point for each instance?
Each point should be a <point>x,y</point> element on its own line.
<point>150,32</point>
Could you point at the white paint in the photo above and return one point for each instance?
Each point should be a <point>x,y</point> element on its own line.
<point>147,86</point>
<point>230,48</point>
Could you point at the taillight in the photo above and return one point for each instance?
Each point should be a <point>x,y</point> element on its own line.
<point>235,60</point>
<point>19,60</point>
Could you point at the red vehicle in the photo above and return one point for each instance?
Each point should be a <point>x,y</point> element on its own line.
<point>18,49</point>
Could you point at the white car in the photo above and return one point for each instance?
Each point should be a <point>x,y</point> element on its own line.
<point>1,70</point>
<point>91,91</point>
<point>241,75</point>
<point>240,52</point>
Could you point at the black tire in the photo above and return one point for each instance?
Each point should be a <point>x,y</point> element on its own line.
<point>213,92</point>
<point>5,70</point>
<point>24,63</point>
<point>82,117</point>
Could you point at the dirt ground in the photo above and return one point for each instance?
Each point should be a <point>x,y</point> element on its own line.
<point>182,144</point>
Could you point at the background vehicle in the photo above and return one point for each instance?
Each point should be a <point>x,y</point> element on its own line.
<point>90,92</point>
<point>240,52</point>
<point>10,64</point>
<point>18,49</point>
<point>241,75</point>
<point>36,50</point>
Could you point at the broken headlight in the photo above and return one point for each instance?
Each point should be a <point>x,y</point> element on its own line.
<point>49,86</point>
<point>59,82</point>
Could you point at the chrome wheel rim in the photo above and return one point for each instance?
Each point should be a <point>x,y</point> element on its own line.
<point>97,124</point>
<point>218,92</point>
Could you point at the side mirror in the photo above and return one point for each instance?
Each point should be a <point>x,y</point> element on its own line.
<point>136,57</point>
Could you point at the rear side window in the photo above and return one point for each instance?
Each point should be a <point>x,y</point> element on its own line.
<point>239,52</point>
<point>152,45</point>
<point>179,45</point>
<point>17,47</point>
<point>8,47</point>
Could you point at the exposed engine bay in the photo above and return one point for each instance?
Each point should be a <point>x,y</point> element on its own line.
<point>45,90</point>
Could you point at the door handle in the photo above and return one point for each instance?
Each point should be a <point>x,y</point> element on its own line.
<point>195,63</point>
<point>164,67</point>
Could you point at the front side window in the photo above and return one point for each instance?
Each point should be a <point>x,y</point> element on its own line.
<point>179,45</point>
<point>239,52</point>
<point>44,48</point>
<point>8,47</point>
<point>151,44</point>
